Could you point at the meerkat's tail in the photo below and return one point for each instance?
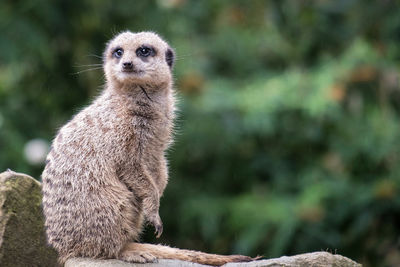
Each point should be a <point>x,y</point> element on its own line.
<point>151,252</point>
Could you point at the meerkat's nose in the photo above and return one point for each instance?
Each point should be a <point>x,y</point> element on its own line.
<point>127,65</point>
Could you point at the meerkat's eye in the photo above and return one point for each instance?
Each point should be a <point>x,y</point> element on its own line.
<point>144,51</point>
<point>118,52</point>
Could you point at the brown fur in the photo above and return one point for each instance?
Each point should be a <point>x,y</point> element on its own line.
<point>107,170</point>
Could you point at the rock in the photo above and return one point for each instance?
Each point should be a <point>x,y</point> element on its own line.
<point>315,259</point>
<point>23,241</point>
<point>85,262</point>
<point>22,237</point>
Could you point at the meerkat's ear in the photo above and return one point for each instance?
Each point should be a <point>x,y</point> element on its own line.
<point>170,57</point>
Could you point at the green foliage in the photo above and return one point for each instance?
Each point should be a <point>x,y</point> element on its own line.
<point>288,133</point>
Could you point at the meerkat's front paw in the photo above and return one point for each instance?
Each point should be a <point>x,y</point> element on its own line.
<point>155,220</point>
<point>158,229</point>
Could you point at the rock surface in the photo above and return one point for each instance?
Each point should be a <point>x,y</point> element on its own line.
<point>315,259</point>
<point>23,241</point>
<point>22,237</point>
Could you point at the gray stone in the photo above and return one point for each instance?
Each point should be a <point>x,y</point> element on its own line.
<point>23,242</point>
<point>85,262</point>
<point>315,259</point>
<point>22,237</point>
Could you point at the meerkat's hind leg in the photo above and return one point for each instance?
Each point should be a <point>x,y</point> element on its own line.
<point>136,256</point>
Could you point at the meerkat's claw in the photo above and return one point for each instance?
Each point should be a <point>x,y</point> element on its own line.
<point>159,230</point>
<point>155,220</point>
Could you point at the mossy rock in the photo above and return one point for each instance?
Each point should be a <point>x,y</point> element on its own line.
<point>22,236</point>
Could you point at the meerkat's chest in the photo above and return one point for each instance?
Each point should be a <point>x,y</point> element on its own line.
<point>151,128</point>
<point>142,127</point>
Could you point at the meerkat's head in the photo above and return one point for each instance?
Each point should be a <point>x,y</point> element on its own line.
<point>138,58</point>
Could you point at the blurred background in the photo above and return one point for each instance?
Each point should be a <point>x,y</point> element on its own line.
<point>288,133</point>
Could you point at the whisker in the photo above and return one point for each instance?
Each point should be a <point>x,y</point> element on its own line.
<point>180,56</point>
<point>79,72</point>
<point>93,55</point>
<point>88,65</point>
<point>188,55</point>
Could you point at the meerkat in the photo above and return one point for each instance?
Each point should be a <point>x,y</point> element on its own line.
<point>106,170</point>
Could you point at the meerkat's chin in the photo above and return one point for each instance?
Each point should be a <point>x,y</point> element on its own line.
<point>129,76</point>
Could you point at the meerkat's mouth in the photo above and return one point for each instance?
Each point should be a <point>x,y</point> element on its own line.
<point>133,71</point>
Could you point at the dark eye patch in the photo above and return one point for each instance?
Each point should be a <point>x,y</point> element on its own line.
<point>145,51</point>
<point>118,52</point>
